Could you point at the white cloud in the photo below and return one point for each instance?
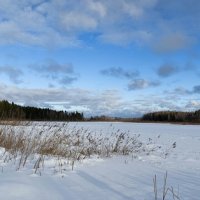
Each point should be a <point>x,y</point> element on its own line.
<point>107,102</point>
<point>132,9</point>
<point>138,84</point>
<point>97,7</point>
<point>72,21</point>
<point>42,22</point>
<point>173,42</point>
<point>122,36</point>
<point>121,22</point>
<point>193,105</point>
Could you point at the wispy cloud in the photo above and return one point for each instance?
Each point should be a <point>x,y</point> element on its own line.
<point>12,73</point>
<point>138,84</point>
<point>65,80</point>
<point>61,73</point>
<point>173,42</point>
<point>167,70</point>
<point>181,91</point>
<point>192,66</point>
<point>196,89</point>
<point>119,72</point>
<point>51,67</point>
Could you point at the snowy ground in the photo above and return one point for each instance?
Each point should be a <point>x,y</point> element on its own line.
<point>119,177</point>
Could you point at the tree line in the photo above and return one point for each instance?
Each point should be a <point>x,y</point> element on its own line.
<point>172,116</point>
<point>11,111</point>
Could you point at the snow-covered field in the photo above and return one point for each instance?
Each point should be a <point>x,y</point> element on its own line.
<point>119,177</point>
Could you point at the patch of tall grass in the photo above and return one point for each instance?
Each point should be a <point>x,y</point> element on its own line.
<point>59,141</point>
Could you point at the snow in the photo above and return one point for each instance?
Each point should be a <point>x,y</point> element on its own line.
<point>118,177</point>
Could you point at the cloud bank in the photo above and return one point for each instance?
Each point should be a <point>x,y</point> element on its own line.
<point>12,73</point>
<point>60,23</point>
<point>63,74</point>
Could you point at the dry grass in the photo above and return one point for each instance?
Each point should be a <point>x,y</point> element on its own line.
<point>166,191</point>
<point>61,142</point>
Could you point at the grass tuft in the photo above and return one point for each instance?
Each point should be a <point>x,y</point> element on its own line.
<point>61,142</point>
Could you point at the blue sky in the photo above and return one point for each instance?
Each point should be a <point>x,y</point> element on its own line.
<point>101,57</point>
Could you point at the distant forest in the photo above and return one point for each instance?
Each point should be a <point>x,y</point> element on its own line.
<point>172,116</point>
<point>161,116</point>
<point>11,111</point>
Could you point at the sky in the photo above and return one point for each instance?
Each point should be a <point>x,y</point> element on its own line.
<point>119,58</point>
